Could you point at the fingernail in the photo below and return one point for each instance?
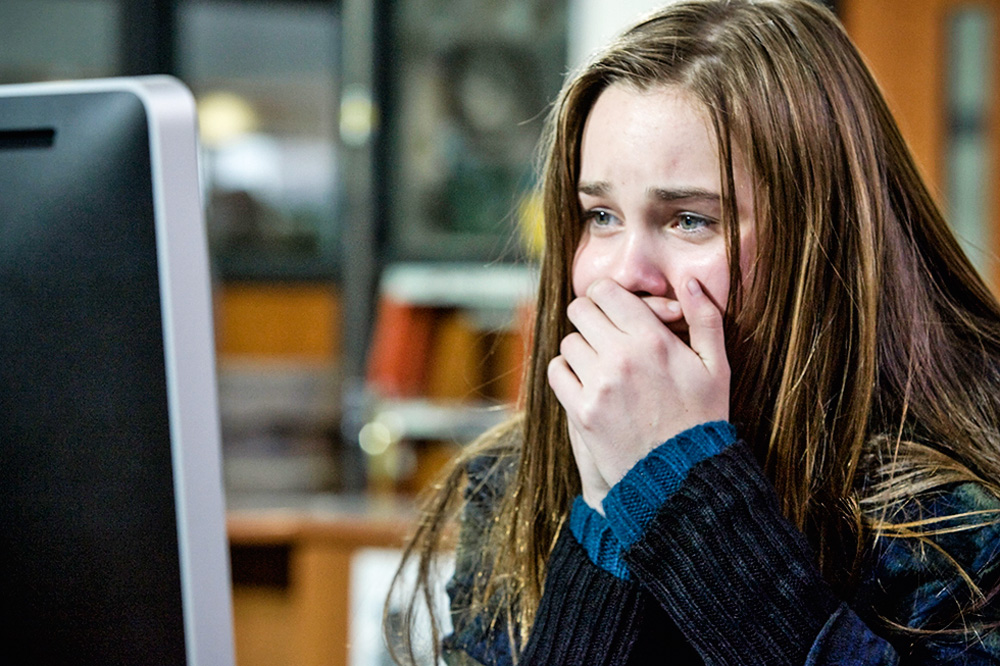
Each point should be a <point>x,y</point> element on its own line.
<point>673,307</point>
<point>694,287</point>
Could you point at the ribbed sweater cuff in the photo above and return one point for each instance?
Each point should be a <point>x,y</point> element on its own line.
<point>635,500</point>
<point>586,615</point>
<point>719,556</point>
<point>593,532</point>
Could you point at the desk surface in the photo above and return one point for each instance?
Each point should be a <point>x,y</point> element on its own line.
<point>307,622</point>
<point>348,521</point>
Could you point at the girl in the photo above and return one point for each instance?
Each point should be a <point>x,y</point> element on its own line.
<point>762,414</point>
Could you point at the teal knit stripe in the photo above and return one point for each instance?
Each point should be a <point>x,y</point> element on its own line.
<point>592,532</point>
<point>633,501</point>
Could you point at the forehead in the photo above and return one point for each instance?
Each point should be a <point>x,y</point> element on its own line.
<point>657,132</point>
<point>658,99</point>
<point>658,138</point>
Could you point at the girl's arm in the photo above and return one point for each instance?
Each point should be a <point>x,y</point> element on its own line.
<point>742,585</point>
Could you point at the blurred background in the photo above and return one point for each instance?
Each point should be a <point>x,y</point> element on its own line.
<point>368,170</point>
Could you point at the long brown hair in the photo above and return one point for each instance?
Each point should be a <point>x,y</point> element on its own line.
<point>868,342</point>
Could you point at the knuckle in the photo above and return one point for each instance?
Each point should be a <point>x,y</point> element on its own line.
<point>587,415</point>
<point>710,316</point>
<point>574,307</point>
<point>626,368</point>
<point>564,345</point>
<point>568,343</point>
<point>601,288</point>
<point>655,342</point>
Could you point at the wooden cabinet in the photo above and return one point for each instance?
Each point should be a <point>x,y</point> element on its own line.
<point>292,575</point>
<point>930,66</point>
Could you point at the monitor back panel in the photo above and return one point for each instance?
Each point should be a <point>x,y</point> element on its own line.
<point>89,560</point>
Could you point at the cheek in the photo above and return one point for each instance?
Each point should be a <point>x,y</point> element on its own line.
<point>584,271</point>
<point>707,264</point>
<point>713,273</point>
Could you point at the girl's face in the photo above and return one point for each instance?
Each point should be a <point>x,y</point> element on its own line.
<point>650,192</point>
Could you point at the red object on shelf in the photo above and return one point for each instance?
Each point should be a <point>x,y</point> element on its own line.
<point>400,354</point>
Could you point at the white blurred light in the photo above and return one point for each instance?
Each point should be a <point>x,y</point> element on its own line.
<point>224,117</point>
<point>375,438</point>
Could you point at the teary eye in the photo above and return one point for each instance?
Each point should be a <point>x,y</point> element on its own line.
<point>691,222</point>
<point>600,217</point>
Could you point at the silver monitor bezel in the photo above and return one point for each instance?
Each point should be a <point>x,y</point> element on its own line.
<point>186,305</point>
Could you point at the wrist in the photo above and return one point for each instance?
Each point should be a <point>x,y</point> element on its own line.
<point>595,536</point>
<point>594,499</point>
<point>635,499</point>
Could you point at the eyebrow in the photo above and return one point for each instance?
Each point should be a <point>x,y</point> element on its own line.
<point>595,189</point>
<point>602,188</point>
<point>696,193</point>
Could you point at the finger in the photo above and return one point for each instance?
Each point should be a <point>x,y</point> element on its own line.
<point>563,381</point>
<point>592,323</point>
<point>579,355</point>
<point>667,310</point>
<point>705,324</point>
<point>622,308</point>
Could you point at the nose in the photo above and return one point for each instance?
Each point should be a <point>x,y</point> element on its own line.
<point>640,267</point>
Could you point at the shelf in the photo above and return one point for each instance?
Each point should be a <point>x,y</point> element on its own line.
<point>422,419</point>
<point>460,285</point>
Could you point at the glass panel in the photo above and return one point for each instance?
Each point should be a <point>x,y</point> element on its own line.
<point>470,86</point>
<point>265,76</point>
<point>969,91</point>
<point>58,39</point>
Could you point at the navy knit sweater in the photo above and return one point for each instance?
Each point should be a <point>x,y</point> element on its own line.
<point>694,563</point>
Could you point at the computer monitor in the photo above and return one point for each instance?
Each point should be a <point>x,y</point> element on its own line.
<point>111,503</point>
